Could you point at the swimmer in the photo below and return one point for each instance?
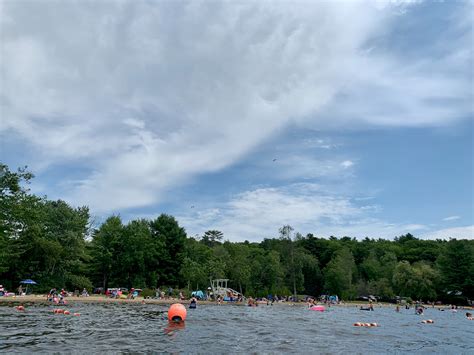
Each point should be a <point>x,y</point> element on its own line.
<point>193,302</point>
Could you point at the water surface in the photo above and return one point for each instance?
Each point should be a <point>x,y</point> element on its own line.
<point>231,329</point>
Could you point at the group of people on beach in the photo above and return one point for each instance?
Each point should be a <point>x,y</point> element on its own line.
<point>57,297</point>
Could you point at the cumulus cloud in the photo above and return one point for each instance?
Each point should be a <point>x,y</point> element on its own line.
<point>145,95</point>
<point>466,232</point>
<point>308,207</point>
<point>347,164</point>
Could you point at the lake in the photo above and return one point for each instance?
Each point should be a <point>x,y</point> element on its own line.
<point>232,329</point>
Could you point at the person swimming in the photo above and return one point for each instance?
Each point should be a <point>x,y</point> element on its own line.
<point>193,303</point>
<point>370,308</point>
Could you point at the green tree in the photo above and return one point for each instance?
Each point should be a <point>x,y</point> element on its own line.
<point>104,249</point>
<point>166,231</point>
<point>416,281</point>
<point>240,270</point>
<point>404,279</point>
<point>137,253</point>
<point>456,266</point>
<point>212,238</point>
<point>339,274</point>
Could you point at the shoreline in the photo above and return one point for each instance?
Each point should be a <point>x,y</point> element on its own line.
<point>39,299</point>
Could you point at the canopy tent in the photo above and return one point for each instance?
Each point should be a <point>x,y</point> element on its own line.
<point>198,294</point>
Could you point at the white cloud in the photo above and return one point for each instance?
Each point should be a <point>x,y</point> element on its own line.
<point>148,94</point>
<point>347,164</point>
<point>308,207</point>
<point>451,218</point>
<point>466,232</point>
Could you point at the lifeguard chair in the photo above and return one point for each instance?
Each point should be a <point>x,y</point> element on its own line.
<point>219,288</point>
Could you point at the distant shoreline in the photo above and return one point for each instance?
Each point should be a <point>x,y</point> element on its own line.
<point>140,300</point>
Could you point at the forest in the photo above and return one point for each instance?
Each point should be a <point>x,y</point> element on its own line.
<point>58,245</point>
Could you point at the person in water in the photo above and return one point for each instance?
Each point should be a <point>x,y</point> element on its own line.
<point>193,302</point>
<point>250,302</point>
<point>370,308</point>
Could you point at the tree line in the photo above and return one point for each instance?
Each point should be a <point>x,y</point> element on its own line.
<point>55,244</point>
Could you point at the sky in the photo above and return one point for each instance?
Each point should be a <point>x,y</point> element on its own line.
<point>345,118</point>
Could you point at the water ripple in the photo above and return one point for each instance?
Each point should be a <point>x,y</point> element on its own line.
<point>131,328</point>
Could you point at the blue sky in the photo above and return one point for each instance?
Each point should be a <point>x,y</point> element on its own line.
<point>345,118</point>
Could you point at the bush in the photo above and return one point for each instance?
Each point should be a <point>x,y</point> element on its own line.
<point>148,292</point>
<point>79,282</point>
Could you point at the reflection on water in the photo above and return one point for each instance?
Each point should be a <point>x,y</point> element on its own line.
<point>275,329</point>
<point>172,327</point>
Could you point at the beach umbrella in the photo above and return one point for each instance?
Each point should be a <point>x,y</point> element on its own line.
<point>28,282</point>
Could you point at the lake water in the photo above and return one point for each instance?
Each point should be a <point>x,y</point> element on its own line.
<point>231,329</point>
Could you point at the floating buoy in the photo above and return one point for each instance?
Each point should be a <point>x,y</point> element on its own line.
<point>427,321</point>
<point>317,308</point>
<point>58,310</point>
<point>77,314</point>
<point>20,308</point>
<point>177,313</point>
<point>67,312</point>
<point>359,324</point>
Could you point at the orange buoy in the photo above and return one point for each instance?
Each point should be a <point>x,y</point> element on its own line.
<point>77,314</point>
<point>67,312</point>
<point>374,325</point>
<point>20,308</point>
<point>366,324</point>
<point>177,312</point>
<point>430,321</point>
<point>357,324</point>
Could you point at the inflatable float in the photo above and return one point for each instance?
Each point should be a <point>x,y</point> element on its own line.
<point>317,308</point>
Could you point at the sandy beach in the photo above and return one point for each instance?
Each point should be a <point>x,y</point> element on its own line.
<point>168,301</point>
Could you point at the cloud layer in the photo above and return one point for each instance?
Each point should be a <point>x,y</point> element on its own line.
<point>146,95</point>
<point>309,208</point>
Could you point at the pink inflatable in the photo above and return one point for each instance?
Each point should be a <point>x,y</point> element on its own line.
<point>317,308</point>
